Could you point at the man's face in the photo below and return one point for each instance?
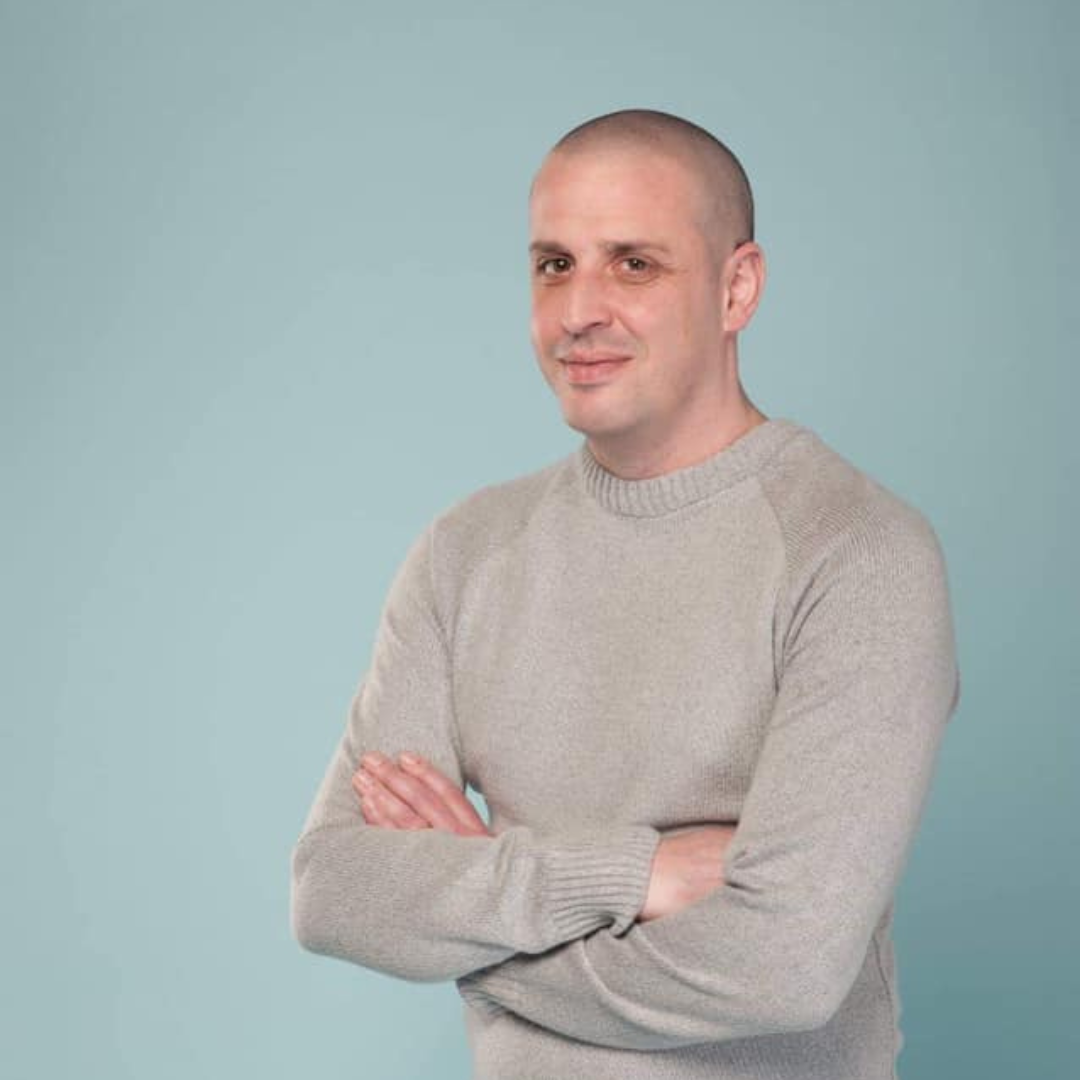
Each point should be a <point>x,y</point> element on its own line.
<point>626,298</point>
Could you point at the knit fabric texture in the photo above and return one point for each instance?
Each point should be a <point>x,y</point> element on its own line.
<point>763,638</point>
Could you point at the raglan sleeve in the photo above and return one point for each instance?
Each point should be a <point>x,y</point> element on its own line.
<point>869,679</point>
<point>430,905</point>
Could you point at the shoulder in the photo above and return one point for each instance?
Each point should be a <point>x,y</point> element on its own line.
<point>498,509</point>
<point>865,586</point>
<point>829,509</point>
<point>465,533</point>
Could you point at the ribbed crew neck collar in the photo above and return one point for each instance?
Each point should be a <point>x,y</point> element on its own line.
<point>658,495</point>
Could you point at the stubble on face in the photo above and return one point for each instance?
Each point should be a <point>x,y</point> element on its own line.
<point>591,211</point>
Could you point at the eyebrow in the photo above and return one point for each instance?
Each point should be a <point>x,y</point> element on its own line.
<point>612,247</point>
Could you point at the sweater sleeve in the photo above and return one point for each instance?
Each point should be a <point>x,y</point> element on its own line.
<point>868,681</point>
<point>429,905</point>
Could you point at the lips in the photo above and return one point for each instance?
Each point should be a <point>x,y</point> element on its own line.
<point>591,358</point>
<point>591,369</point>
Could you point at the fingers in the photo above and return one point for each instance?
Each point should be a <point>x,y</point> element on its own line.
<point>403,798</point>
<point>382,808</point>
<point>452,797</point>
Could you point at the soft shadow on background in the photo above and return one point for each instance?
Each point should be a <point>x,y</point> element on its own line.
<point>264,314</point>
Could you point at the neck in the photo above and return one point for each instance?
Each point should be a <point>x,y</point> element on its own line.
<point>667,493</point>
<point>639,461</point>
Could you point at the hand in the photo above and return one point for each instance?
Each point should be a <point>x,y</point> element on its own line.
<point>687,866</point>
<point>404,796</point>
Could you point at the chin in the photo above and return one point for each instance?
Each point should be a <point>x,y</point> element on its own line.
<point>593,426</point>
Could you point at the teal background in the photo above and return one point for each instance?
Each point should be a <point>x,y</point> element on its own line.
<point>264,313</point>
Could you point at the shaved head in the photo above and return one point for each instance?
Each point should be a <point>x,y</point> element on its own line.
<point>726,211</point>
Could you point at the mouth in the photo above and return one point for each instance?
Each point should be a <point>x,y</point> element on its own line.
<point>589,369</point>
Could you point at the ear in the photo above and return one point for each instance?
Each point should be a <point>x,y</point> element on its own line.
<point>744,282</point>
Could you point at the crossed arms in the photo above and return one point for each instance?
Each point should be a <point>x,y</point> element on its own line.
<point>555,927</point>
<point>427,904</point>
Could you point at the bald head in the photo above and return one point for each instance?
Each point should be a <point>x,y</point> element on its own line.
<point>727,204</point>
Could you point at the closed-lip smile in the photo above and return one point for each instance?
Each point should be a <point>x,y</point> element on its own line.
<point>592,358</point>
<point>587,369</point>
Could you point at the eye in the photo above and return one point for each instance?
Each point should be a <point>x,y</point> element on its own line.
<point>552,265</point>
<point>637,268</point>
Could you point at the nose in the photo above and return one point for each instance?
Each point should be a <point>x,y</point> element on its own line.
<point>585,304</point>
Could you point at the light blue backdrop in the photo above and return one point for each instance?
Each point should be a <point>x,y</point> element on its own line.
<point>264,313</point>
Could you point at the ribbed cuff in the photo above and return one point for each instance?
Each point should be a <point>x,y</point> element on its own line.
<point>599,877</point>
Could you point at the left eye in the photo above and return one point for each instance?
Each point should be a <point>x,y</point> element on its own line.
<point>634,264</point>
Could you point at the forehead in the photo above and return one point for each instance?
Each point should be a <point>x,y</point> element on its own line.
<point>615,188</point>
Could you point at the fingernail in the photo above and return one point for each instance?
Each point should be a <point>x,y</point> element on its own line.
<point>409,759</point>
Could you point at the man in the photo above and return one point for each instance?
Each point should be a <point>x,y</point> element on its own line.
<point>699,669</point>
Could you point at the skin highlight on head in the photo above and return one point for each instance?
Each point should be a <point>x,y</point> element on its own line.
<point>644,270</point>
<point>726,210</point>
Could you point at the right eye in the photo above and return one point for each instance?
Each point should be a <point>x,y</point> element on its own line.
<point>552,265</point>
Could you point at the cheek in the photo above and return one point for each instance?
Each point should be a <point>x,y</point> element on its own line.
<point>683,325</point>
<point>649,323</point>
<point>544,324</point>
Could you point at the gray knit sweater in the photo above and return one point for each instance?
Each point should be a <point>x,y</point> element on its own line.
<point>764,637</point>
